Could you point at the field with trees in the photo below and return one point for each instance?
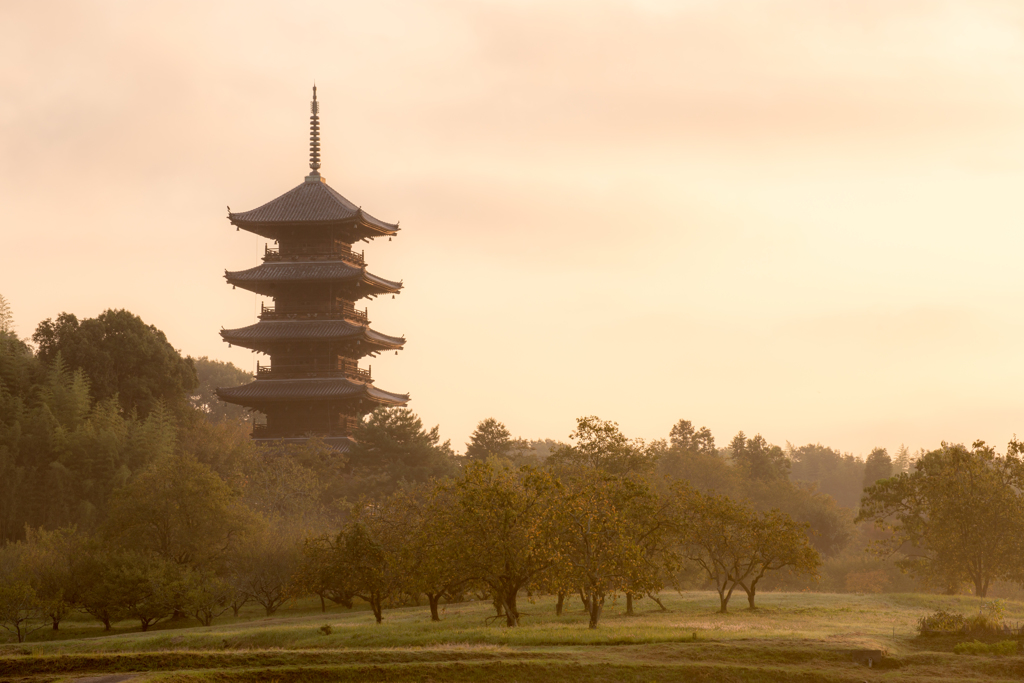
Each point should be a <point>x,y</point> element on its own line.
<point>142,530</point>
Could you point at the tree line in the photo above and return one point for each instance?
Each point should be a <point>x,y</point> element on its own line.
<point>128,491</point>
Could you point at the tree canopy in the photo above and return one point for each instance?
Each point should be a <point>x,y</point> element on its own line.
<point>123,358</point>
<point>958,517</point>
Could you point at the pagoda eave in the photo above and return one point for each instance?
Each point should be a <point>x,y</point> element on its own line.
<point>264,392</point>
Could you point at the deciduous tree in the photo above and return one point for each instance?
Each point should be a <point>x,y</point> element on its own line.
<point>958,517</point>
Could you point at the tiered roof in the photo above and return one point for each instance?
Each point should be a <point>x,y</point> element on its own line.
<point>315,389</point>
<point>311,204</point>
<point>264,332</point>
<point>265,276</point>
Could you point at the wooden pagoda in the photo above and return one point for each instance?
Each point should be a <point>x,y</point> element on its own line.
<point>313,333</point>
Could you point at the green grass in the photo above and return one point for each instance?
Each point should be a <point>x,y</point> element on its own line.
<point>792,637</point>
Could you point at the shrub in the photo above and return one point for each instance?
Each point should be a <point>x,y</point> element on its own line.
<point>941,622</point>
<point>1003,648</point>
<point>326,629</point>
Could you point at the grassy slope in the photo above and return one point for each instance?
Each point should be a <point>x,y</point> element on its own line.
<point>794,636</point>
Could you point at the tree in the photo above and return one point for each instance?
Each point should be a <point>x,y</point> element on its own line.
<point>6,316</point>
<point>432,542</point>
<point>603,527</point>
<point>262,563</point>
<point>714,532</point>
<point>777,542</point>
<point>368,556</point>
<point>492,439</point>
<point>148,588</point>
<point>504,522</point>
<point>19,608</point>
<point>123,357</point>
<point>601,445</point>
<point>958,517</point>
<point>840,475</point>
<point>685,438</point>
<point>391,446</point>
<point>877,466</point>
<point>180,510</point>
<point>210,376</point>
<point>49,560</point>
<point>901,463</point>
<point>758,459</point>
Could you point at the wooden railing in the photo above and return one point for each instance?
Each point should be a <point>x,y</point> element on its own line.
<point>349,370</point>
<point>315,253</point>
<point>343,426</point>
<point>313,312</point>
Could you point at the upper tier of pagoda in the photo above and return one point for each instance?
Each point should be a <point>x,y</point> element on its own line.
<point>312,205</point>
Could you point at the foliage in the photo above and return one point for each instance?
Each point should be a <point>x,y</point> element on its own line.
<point>210,376</point>
<point>840,475</point>
<point>877,466</point>
<point>180,510</point>
<point>6,316</point>
<point>961,513</point>
<point>942,622</point>
<point>736,546</point>
<point>685,438</point>
<point>123,357</point>
<point>757,459</point>
<point>491,439</point>
<point>391,447</point>
<point>601,445</point>
<point>503,518</point>
<point>367,557</point>
<point>262,563</point>
<point>21,611</point>
<point>606,532</point>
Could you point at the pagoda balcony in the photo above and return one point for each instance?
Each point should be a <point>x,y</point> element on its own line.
<point>314,312</point>
<point>343,426</point>
<point>314,253</point>
<point>346,370</point>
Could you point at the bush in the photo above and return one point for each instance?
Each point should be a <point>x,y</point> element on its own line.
<point>942,622</point>
<point>1003,648</point>
<point>326,629</point>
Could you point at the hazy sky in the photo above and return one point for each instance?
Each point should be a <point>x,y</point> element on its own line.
<point>800,218</point>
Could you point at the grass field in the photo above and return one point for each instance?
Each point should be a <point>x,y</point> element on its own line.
<point>792,637</point>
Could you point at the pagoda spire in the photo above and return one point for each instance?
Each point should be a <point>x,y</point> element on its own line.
<point>314,139</point>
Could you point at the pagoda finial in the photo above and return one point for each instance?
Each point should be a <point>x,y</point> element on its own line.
<point>314,139</point>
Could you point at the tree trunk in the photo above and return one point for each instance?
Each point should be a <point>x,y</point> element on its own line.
<point>660,604</point>
<point>433,599</point>
<point>586,601</point>
<point>106,623</point>
<point>56,624</point>
<point>378,610</point>
<point>750,593</point>
<point>723,597</point>
<point>596,606</point>
<point>511,610</point>
<point>323,605</point>
<point>980,587</point>
<point>499,608</point>
<point>558,605</point>
<point>629,604</point>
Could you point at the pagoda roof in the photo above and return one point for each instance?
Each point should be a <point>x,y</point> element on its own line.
<point>256,279</point>
<point>314,201</point>
<point>308,330</point>
<point>264,391</point>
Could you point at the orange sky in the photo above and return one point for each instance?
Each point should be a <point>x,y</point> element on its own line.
<point>799,218</point>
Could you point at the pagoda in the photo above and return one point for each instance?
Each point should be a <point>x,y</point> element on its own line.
<point>313,333</point>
